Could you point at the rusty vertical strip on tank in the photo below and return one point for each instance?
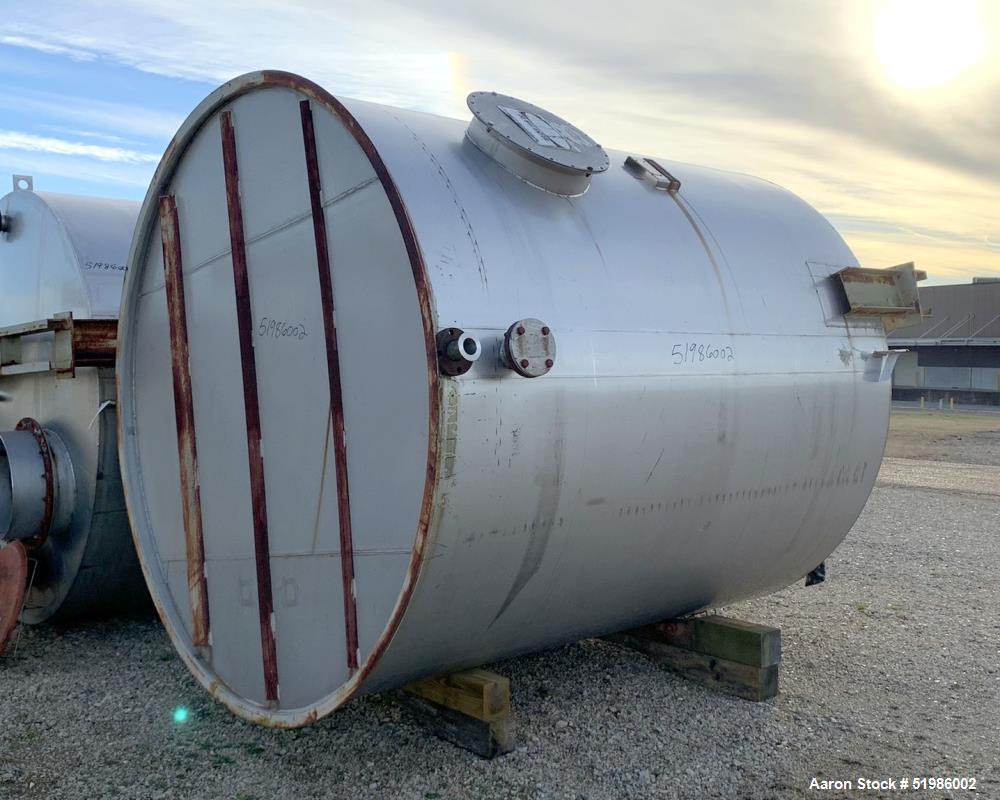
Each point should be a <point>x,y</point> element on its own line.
<point>333,374</point>
<point>244,323</point>
<point>187,451</point>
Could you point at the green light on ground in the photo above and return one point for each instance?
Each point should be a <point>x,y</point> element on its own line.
<point>181,715</point>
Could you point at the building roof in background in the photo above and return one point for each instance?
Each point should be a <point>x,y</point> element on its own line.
<point>960,311</point>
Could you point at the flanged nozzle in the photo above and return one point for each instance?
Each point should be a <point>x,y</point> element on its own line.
<point>457,351</point>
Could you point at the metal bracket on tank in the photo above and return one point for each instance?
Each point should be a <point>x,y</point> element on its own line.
<point>22,183</point>
<point>887,294</point>
<point>880,364</point>
<point>652,172</point>
<point>74,343</point>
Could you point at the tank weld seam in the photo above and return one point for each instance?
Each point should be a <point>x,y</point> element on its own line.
<point>322,482</point>
<point>289,223</point>
<point>838,334</point>
<point>293,554</point>
<point>590,376</point>
<point>470,233</point>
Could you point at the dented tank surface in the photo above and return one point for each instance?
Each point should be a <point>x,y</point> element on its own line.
<point>401,394</point>
<point>62,263</point>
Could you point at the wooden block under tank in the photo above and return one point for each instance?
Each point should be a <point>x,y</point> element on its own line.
<point>729,655</point>
<point>470,709</point>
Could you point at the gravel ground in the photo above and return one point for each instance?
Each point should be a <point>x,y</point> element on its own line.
<point>970,437</point>
<point>891,668</point>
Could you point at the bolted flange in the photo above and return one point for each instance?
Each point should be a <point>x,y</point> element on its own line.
<point>529,348</point>
<point>37,484</point>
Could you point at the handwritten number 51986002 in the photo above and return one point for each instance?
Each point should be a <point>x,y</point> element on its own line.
<point>696,352</point>
<point>279,329</point>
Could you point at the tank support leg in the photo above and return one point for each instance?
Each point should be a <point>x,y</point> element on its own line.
<point>470,709</point>
<point>727,655</point>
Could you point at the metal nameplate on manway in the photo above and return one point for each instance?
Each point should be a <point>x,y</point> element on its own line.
<point>546,132</point>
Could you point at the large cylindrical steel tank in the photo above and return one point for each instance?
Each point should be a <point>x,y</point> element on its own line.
<point>399,395</point>
<point>62,262</point>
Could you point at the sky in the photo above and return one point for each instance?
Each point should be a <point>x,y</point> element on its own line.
<point>883,114</point>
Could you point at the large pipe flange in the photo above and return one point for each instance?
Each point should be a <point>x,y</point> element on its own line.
<point>37,484</point>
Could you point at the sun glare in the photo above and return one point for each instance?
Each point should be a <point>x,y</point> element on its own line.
<point>924,43</point>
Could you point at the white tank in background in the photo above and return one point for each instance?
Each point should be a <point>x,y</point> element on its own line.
<point>400,395</point>
<point>63,527</point>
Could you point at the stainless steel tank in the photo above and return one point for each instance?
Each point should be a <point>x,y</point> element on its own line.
<point>62,512</point>
<point>399,394</point>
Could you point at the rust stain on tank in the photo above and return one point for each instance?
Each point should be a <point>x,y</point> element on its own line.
<point>251,407</point>
<point>334,383</point>
<point>856,275</point>
<point>94,342</point>
<point>187,451</point>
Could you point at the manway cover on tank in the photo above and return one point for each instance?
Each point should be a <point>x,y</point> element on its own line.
<point>393,404</point>
<point>62,263</point>
<point>534,144</point>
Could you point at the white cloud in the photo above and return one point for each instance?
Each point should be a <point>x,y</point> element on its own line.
<point>358,49</point>
<point>15,140</point>
<point>77,133</point>
<point>47,47</point>
<point>114,118</point>
<point>109,178</point>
